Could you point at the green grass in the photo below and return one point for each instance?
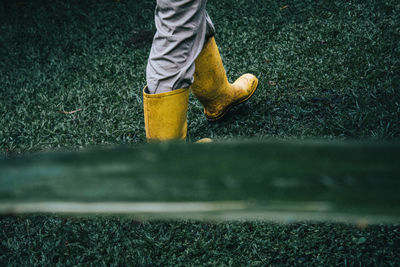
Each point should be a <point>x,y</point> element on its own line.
<point>327,70</point>
<point>110,241</point>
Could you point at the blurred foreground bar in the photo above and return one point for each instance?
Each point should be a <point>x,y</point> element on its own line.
<point>279,181</point>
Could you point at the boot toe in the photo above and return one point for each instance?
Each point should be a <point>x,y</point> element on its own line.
<point>248,82</point>
<point>247,85</point>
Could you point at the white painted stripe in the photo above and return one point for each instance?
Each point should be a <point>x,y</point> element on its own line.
<point>121,207</point>
<point>216,210</point>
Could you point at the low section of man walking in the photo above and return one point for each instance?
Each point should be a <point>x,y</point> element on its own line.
<point>184,56</point>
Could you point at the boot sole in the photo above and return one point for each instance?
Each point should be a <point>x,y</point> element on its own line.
<point>233,105</point>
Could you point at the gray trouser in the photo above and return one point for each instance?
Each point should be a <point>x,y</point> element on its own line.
<point>182,29</point>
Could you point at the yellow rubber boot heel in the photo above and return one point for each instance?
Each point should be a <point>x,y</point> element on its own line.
<point>204,141</point>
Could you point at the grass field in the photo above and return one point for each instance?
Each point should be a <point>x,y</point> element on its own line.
<point>113,241</point>
<point>327,70</point>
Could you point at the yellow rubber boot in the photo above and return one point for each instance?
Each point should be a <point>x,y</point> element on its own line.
<point>211,86</point>
<point>165,115</point>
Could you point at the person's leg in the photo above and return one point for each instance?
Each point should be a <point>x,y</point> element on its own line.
<point>182,29</point>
